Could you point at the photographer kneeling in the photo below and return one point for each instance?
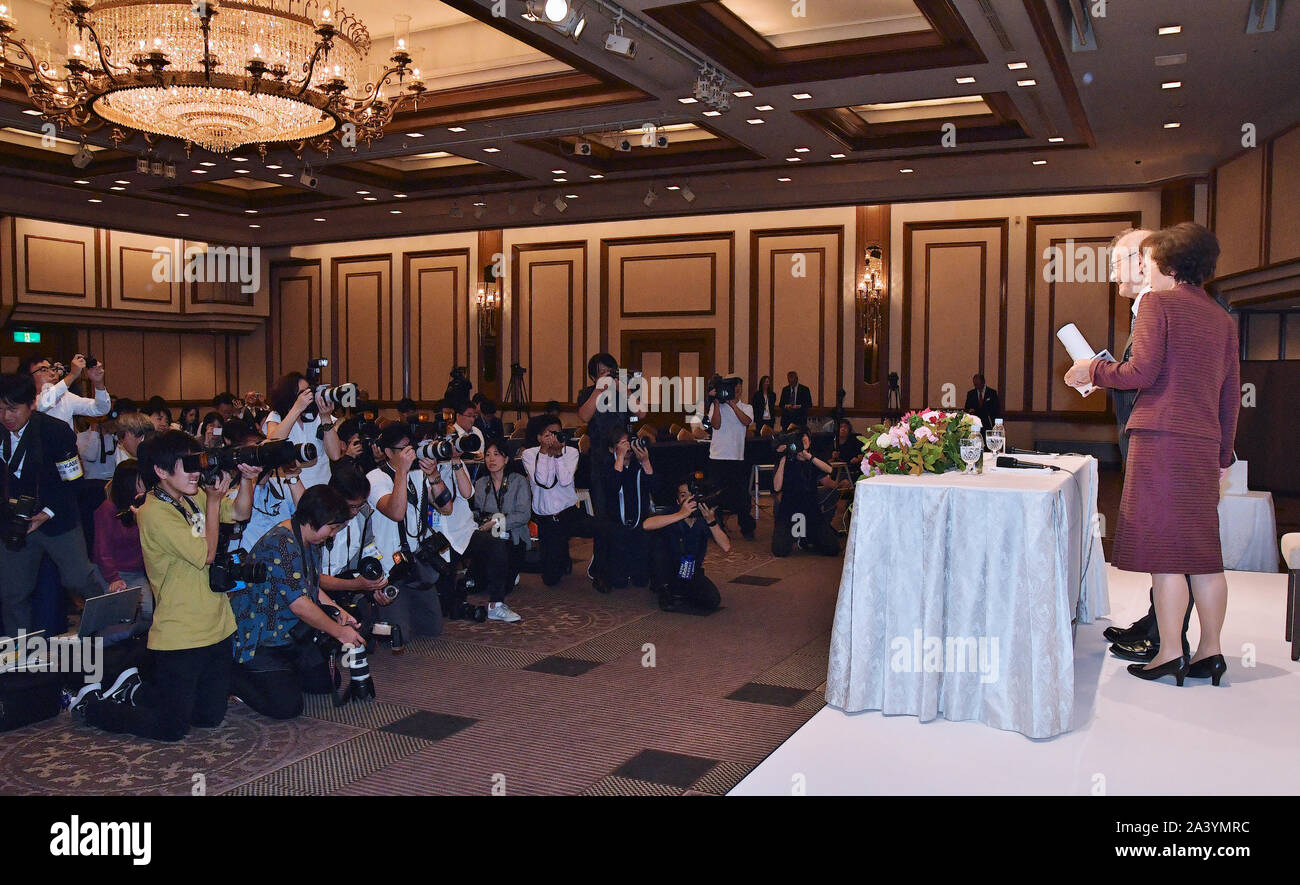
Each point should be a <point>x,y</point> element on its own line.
<point>798,515</point>
<point>274,662</point>
<point>192,623</point>
<point>684,540</point>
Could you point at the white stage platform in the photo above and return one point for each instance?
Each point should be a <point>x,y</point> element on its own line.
<point>1130,737</point>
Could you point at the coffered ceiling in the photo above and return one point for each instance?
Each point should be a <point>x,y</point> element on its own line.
<point>828,107</point>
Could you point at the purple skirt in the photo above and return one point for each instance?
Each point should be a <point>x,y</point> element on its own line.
<point>1169,513</point>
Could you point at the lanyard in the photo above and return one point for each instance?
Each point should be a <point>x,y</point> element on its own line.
<point>192,515</point>
<point>555,479</point>
<point>505,483</point>
<point>310,566</point>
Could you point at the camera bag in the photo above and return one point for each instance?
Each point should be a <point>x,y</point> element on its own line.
<point>28,696</point>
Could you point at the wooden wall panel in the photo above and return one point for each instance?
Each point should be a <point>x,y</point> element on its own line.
<point>294,326</point>
<point>54,264</point>
<point>362,293</point>
<point>1238,212</point>
<point>247,359</point>
<point>549,310</point>
<point>202,367</point>
<point>163,365</point>
<point>1284,198</point>
<point>654,285</point>
<point>437,328</point>
<point>131,267</point>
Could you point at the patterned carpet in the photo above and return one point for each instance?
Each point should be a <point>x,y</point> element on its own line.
<point>590,694</point>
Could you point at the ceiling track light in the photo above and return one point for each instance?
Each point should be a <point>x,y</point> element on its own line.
<point>687,194</point>
<point>560,15</point>
<point>650,197</point>
<point>713,89</point>
<point>456,211</point>
<point>539,207</point>
<point>560,205</point>
<point>618,44</point>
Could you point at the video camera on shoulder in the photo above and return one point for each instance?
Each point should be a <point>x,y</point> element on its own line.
<point>18,513</point>
<point>791,439</point>
<point>724,389</point>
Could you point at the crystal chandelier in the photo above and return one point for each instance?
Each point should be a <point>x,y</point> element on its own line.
<point>241,73</point>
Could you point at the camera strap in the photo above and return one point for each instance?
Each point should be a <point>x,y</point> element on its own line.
<point>310,565</point>
<point>191,515</point>
<point>413,500</point>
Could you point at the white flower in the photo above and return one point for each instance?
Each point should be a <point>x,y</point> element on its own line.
<point>974,422</point>
<point>884,441</point>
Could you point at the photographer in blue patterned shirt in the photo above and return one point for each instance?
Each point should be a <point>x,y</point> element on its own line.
<point>272,669</point>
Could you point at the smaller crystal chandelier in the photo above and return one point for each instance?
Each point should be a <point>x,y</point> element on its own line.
<point>871,293</point>
<point>222,76</point>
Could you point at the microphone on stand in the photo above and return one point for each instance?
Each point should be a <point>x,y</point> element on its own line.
<point>1008,461</point>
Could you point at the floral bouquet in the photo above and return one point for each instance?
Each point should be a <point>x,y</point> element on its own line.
<point>922,442</point>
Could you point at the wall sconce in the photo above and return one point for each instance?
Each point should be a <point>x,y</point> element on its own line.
<point>489,304</point>
<point>871,293</point>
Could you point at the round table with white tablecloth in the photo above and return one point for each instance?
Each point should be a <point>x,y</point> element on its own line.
<point>1248,532</point>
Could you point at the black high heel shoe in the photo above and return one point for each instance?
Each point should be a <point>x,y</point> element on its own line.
<point>1176,668</point>
<point>1212,667</point>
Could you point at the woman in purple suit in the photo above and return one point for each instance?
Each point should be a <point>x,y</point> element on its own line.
<point>1185,367</point>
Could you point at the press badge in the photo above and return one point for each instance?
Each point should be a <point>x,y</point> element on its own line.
<point>69,469</point>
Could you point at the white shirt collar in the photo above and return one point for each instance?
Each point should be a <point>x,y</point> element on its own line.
<point>1138,299</point>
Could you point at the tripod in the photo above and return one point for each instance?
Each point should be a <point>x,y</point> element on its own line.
<point>517,394</point>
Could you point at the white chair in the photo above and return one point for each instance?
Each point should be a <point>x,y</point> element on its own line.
<point>584,499</point>
<point>755,486</point>
<point>1291,555</point>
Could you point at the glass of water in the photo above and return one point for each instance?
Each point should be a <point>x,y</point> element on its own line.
<point>996,438</point>
<point>971,449</point>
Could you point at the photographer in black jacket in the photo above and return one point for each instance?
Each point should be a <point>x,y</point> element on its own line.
<point>630,484</point>
<point>39,475</point>
<point>798,517</point>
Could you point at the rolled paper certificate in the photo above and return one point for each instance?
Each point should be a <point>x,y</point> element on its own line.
<point>1078,349</point>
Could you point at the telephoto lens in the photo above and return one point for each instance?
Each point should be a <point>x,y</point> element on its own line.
<point>274,453</point>
<point>443,449</point>
<point>354,676</point>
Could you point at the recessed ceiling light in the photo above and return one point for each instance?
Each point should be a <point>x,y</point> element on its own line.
<point>965,80</point>
<point>182,215</point>
<point>1056,139</point>
<point>394,211</point>
<point>274,166</point>
<point>117,188</point>
<point>81,181</point>
<point>208,163</point>
<point>905,171</point>
<point>1171,84</point>
<point>250,211</point>
<point>370,199</point>
<point>1026,82</point>
<point>783,179</point>
<point>801,96</point>
<point>1164,31</point>
<point>687,100</point>
<point>199,171</point>
<point>595,175</point>
<point>255,226</point>
<point>318,219</point>
<point>1017,65</point>
<point>491,150</point>
<point>793,159</point>
<point>93,200</point>
<point>1172,125</point>
<point>362,193</point>
<point>32,112</point>
<point>837,156</point>
<point>399,196</point>
<point>239,159</point>
<point>713,113</point>
<point>455,128</point>
<point>560,180</point>
<point>121,181</point>
<point>1040,162</point>
<point>413,135</point>
<point>801,150</point>
<point>757,121</point>
<point>479,203</point>
<point>672,187</point>
<point>566,196</point>
<point>744,93</point>
<point>285,174</point>
<point>558,172</point>
<point>762,107</point>
<point>241,171</point>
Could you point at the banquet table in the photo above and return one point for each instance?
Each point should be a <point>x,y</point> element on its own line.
<point>960,593</point>
<point>1248,532</point>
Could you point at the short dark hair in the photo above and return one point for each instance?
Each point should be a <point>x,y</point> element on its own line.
<point>459,405</point>
<point>1188,252</point>
<point>225,398</point>
<point>25,367</point>
<point>486,406</point>
<point>393,434</point>
<point>614,434</point>
<point>498,443</point>
<point>285,392</point>
<point>536,425</point>
<point>121,489</point>
<point>241,433</point>
<point>162,452</point>
<point>320,506</point>
<point>979,375</point>
<point>601,359</point>
<point>348,428</point>
<point>347,479</point>
<point>18,389</point>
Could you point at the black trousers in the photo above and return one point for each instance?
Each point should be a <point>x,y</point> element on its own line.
<point>189,688</point>
<point>274,681</point>
<point>416,610</point>
<point>90,495</point>
<point>816,530</point>
<point>490,564</point>
<point>629,556</point>
<point>553,534</point>
<point>601,529</point>
<point>732,479</point>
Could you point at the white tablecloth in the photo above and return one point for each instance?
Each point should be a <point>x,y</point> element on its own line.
<point>958,595</point>
<point>1248,532</point>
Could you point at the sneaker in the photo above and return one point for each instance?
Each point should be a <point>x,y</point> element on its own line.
<point>499,611</point>
<point>77,705</point>
<point>123,690</point>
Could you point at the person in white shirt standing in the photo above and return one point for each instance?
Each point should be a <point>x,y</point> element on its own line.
<point>300,416</point>
<point>730,420</point>
<point>54,396</point>
<point>551,466</point>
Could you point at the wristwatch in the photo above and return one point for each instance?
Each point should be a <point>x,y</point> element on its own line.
<point>456,466</point>
<point>290,480</point>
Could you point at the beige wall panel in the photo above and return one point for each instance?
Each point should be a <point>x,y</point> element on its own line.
<point>1087,306</point>
<point>1237,210</point>
<point>56,267</point>
<point>796,312</point>
<point>669,285</point>
<point>124,363</point>
<point>203,362</point>
<point>438,327</point>
<point>551,298</point>
<point>360,314</point>
<point>1262,336</point>
<point>1284,205</point>
<point>956,275</point>
<point>52,264</point>
<point>134,282</point>
<point>163,365</point>
<point>249,360</point>
<point>291,306</point>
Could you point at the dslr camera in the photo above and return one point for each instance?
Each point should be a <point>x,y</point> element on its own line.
<point>443,449</point>
<point>340,395</point>
<point>352,666</point>
<point>233,570</point>
<point>211,463</point>
<point>429,553</point>
<point>791,439</point>
<point>701,492</point>
<point>459,386</point>
<point>16,520</point>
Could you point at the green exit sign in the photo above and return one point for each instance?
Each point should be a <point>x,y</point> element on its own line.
<point>27,337</point>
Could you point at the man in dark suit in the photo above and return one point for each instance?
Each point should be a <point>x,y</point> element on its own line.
<point>982,402</point>
<point>795,401</point>
<point>40,460</point>
<point>1141,640</point>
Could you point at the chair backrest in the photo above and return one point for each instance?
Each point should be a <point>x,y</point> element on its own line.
<point>584,444</point>
<point>766,431</point>
<point>1290,545</point>
<point>674,428</point>
<point>648,431</point>
<point>518,432</point>
<point>684,435</point>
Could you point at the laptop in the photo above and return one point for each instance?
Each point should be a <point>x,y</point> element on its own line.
<point>9,652</point>
<point>104,615</point>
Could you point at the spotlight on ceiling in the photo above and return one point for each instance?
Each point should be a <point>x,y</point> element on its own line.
<point>687,194</point>
<point>560,205</point>
<point>618,44</point>
<point>650,197</point>
<point>539,207</point>
<point>561,15</point>
<point>81,159</point>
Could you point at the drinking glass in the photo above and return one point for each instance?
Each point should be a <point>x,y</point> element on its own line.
<point>996,439</point>
<point>971,449</point>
